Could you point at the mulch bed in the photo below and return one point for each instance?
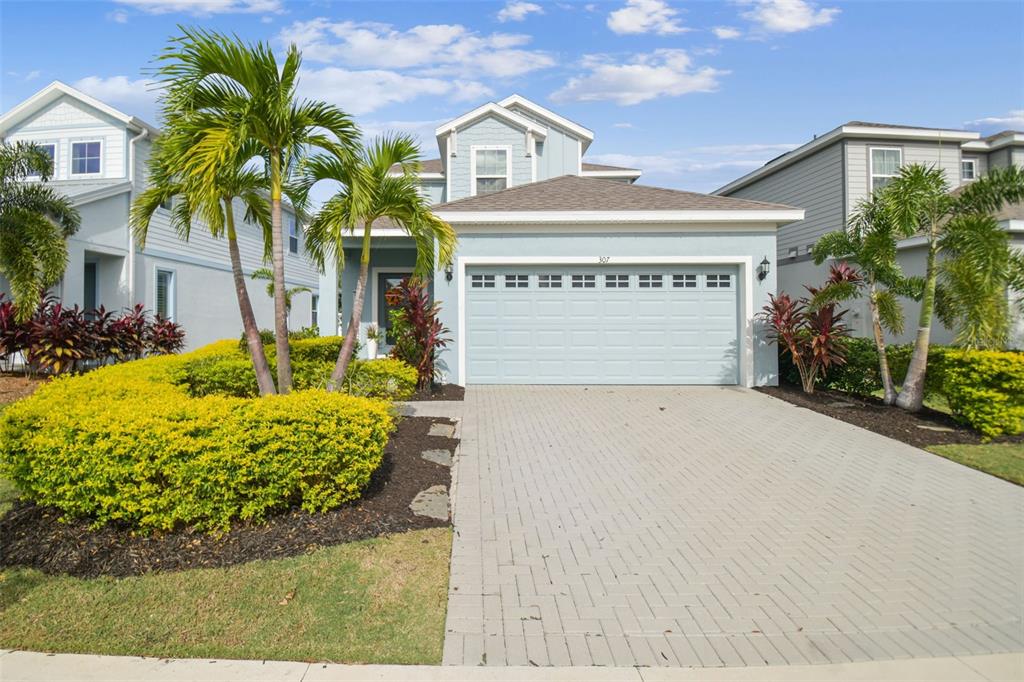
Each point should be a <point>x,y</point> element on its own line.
<point>873,415</point>
<point>32,536</point>
<point>17,386</point>
<point>441,392</point>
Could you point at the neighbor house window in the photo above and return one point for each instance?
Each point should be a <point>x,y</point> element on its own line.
<point>313,321</point>
<point>885,164</point>
<point>165,294</point>
<point>50,150</point>
<point>293,235</point>
<point>85,157</point>
<point>968,169</point>
<point>491,170</point>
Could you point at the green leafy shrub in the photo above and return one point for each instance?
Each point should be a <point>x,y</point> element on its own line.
<point>319,349</point>
<point>383,378</point>
<point>127,444</point>
<point>985,389</point>
<point>218,375</point>
<point>860,374</point>
<point>267,337</point>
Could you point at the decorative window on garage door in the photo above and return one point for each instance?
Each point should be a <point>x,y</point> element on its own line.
<point>650,281</point>
<point>482,281</point>
<point>517,281</point>
<point>549,281</point>
<point>616,281</point>
<point>684,281</point>
<point>718,281</point>
<point>584,281</point>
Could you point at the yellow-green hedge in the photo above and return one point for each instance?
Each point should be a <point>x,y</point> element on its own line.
<point>126,443</point>
<point>985,389</point>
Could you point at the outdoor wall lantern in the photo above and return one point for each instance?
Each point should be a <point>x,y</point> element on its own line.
<point>763,269</point>
<point>449,272</point>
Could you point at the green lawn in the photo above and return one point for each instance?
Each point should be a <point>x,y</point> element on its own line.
<point>1005,460</point>
<point>8,494</point>
<point>377,601</point>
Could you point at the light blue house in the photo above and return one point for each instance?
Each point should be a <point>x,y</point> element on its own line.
<point>569,273</point>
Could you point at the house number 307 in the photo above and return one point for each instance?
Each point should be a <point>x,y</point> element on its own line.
<point>603,259</point>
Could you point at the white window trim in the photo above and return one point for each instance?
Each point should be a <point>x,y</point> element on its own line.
<point>172,298</point>
<point>871,164</point>
<point>473,149</point>
<point>298,235</point>
<point>71,157</point>
<point>56,148</point>
<point>744,290</point>
<point>974,169</point>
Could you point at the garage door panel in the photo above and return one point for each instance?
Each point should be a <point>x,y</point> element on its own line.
<point>602,335</point>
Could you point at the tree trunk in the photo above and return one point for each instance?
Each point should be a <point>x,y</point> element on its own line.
<point>883,360</point>
<point>284,364</point>
<point>345,356</point>
<point>264,379</point>
<point>911,397</point>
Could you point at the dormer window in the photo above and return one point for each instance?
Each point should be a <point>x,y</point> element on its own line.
<point>490,169</point>
<point>50,149</point>
<point>85,158</point>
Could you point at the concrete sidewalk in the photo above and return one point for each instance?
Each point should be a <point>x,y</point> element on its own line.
<point>27,666</point>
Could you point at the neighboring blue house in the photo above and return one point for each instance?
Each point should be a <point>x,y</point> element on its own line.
<point>568,273</point>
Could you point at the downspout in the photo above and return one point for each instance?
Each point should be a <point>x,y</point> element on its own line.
<point>131,198</point>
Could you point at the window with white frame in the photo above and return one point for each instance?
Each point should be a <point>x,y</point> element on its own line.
<point>549,281</point>
<point>684,281</point>
<point>885,164</point>
<point>650,281</point>
<point>968,169</point>
<point>50,149</point>
<point>313,315</point>
<point>490,170</point>
<point>517,281</point>
<point>482,281</point>
<point>584,281</point>
<point>713,281</point>
<point>85,157</point>
<point>293,234</point>
<point>616,281</point>
<point>165,294</point>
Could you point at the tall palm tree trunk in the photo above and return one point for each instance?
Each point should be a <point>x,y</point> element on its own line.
<point>264,379</point>
<point>911,397</point>
<point>347,346</point>
<point>889,391</point>
<point>284,364</point>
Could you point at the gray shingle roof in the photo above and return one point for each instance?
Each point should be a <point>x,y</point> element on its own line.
<point>575,193</point>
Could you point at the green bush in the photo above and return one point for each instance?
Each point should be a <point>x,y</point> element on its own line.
<point>383,378</point>
<point>985,389</point>
<point>267,337</point>
<point>860,374</point>
<point>126,444</point>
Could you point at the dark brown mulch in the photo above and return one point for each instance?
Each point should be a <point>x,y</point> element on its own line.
<point>873,415</point>
<point>32,536</point>
<point>441,392</point>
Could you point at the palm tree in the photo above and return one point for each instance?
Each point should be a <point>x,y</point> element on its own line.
<point>370,191</point>
<point>214,205</point>
<point>869,243</point>
<point>245,96</point>
<point>268,275</point>
<point>35,223</point>
<point>958,227</point>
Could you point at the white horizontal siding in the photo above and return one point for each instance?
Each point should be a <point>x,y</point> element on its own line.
<point>814,184</point>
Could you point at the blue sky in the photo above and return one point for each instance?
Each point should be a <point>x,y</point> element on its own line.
<point>694,93</point>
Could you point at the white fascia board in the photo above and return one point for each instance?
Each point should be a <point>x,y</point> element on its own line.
<point>543,112</point>
<point>1006,140</point>
<point>496,110</point>
<point>846,132</point>
<point>101,193</point>
<point>778,217</point>
<point>611,173</point>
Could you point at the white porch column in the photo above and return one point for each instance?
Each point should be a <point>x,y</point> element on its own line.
<point>327,309</point>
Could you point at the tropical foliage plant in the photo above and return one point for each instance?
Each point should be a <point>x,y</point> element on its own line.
<point>35,222</point>
<point>289,293</point>
<point>238,95</point>
<point>418,334</point>
<point>379,182</point>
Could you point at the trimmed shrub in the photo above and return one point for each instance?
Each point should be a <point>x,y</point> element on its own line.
<point>319,349</point>
<point>125,444</point>
<point>383,378</point>
<point>860,374</point>
<point>985,389</point>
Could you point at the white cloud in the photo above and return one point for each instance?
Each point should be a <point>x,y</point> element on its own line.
<point>1013,119</point>
<point>134,97</point>
<point>204,7</point>
<point>623,125</point>
<point>769,149</point>
<point>360,92</point>
<point>726,32</point>
<point>518,11</point>
<point>445,48</point>
<point>118,16</point>
<point>647,76</point>
<point>789,16</point>
<point>645,16</point>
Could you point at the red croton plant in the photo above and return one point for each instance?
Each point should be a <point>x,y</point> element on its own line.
<point>418,334</point>
<point>813,337</point>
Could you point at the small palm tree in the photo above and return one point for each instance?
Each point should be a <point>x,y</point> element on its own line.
<point>245,96</point>
<point>869,244</point>
<point>35,223</point>
<point>965,248</point>
<point>268,275</point>
<point>370,192</point>
<point>215,206</point>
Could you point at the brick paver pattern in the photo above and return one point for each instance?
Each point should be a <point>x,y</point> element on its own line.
<point>707,526</point>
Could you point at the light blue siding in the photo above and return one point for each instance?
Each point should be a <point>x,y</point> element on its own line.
<point>488,131</point>
<point>433,191</point>
<point>658,325</point>
<point>559,153</point>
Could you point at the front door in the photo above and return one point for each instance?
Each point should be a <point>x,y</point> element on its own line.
<point>385,282</point>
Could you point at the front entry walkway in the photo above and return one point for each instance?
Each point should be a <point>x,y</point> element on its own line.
<point>698,526</point>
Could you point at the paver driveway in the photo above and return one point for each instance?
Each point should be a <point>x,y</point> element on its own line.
<point>717,526</point>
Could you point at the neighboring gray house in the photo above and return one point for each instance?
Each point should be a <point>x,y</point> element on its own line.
<point>568,273</point>
<point>99,156</point>
<point>829,175</point>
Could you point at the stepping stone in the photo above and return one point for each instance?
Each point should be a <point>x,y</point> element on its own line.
<point>444,430</point>
<point>442,457</point>
<point>432,502</point>
<point>943,429</point>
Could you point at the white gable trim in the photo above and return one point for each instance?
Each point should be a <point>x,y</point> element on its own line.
<point>491,109</point>
<point>542,112</point>
<point>54,91</point>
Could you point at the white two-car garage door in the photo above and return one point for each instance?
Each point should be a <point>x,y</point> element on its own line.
<point>602,325</point>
